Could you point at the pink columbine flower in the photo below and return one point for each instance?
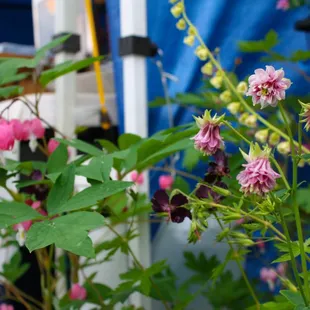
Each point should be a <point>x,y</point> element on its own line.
<point>258,177</point>
<point>20,130</point>
<point>52,145</point>
<point>267,87</point>
<point>6,137</point>
<point>136,177</point>
<point>6,307</point>
<point>208,139</point>
<point>77,292</point>
<point>268,275</point>
<point>165,181</point>
<point>283,5</point>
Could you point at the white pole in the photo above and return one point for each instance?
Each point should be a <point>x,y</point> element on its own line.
<point>65,86</point>
<point>133,22</point>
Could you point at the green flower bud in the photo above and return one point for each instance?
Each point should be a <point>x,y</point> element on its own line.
<point>177,9</point>
<point>242,87</point>
<point>201,52</point>
<point>262,135</point>
<point>234,107</point>
<point>207,69</point>
<point>216,82</point>
<point>284,148</point>
<point>274,139</point>
<point>181,24</point>
<point>225,96</point>
<point>189,40</point>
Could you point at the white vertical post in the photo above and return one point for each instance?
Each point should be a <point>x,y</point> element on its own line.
<point>134,22</point>
<point>65,86</point>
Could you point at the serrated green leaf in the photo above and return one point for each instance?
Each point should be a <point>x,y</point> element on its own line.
<point>62,190</point>
<point>69,232</point>
<point>91,195</point>
<point>15,212</point>
<point>58,159</point>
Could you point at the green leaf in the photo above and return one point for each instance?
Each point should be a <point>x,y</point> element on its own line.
<point>293,297</point>
<point>96,292</point>
<point>58,159</point>
<point>14,78</point>
<point>22,184</point>
<point>8,91</point>
<point>90,196</point>
<point>108,145</point>
<point>127,139</point>
<point>191,158</point>
<point>15,212</point>
<point>62,190</point>
<point>98,169</point>
<point>82,146</point>
<point>270,41</point>
<point>14,269</point>
<point>300,56</point>
<point>158,102</point>
<point>69,232</point>
<point>181,184</point>
<point>192,99</point>
<point>50,75</point>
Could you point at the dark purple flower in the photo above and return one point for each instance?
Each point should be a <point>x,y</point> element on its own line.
<point>39,190</point>
<point>177,213</point>
<point>220,166</point>
<point>206,192</point>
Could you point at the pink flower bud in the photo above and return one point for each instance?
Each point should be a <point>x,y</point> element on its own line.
<point>37,128</point>
<point>166,181</point>
<point>20,130</point>
<point>268,274</point>
<point>283,5</point>
<point>240,221</point>
<point>261,245</point>
<point>281,269</point>
<point>52,145</point>
<point>35,205</point>
<point>136,177</point>
<point>77,292</point>
<point>6,137</point>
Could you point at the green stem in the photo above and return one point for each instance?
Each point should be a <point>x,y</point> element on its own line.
<point>237,132</point>
<point>293,261</point>
<point>296,208</point>
<point>233,88</point>
<point>245,277</point>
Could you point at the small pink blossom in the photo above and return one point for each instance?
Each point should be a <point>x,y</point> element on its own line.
<point>267,87</point>
<point>24,225</point>
<point>52,145</point>
<point>258,177</point>
<point>240,221</point>
<point>165,181</point>
<point>136,177</point>
<point>269,276</point>
<point>6,307</point>
<point>20,130</point>
<point>281,269</point>
<point>37,128</point>
<point>208,139</point>
<point>283,5</point>
<point>6,137</point>
<point>77,292</point>
<point>261,245</point>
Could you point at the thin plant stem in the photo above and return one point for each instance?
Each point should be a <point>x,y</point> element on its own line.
<point>296,208</point>
<point>179,172</point>
<point>237,132</point>
<point>233,88</point>
<point>139,265</point>
<point>293,261</point>
<point>245,277</point>
<point>287,185</point>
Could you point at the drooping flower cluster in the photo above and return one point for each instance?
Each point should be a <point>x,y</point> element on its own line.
<point>21,131</point>
<point>267,87</point>
<point>271,275</point>
<point>175,207</point>
<point>258,177</point>
<point>208,140</point>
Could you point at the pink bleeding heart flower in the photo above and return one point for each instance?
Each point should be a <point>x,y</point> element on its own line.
<point>20,130</point>
<point>269,276</point>
<point>267,87</point>
<point>136,177</point>
<point>77,292</point>
<point>258,177</point>
<point>261,246</point>
<point>283,5</point>
<point>281,269</point>
<point>6,307</point>
<point>23,225</point>
<point>165,181</point>
<point>6,137</point>
<point>208,140</point>
<point>52,145</point>
<point>37,128</point>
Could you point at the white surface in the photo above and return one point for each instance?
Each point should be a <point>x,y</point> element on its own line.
<point>86,112</point>
<point>133,22</point>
